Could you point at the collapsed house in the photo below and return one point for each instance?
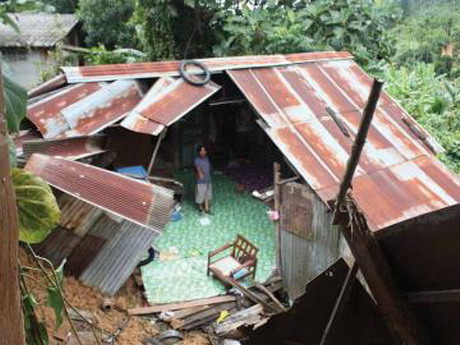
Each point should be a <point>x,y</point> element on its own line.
<point>301,110</point>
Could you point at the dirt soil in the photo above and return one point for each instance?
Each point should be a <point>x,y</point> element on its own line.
<point>89,301</point>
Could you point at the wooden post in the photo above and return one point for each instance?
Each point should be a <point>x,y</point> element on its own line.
<point>394,308</point>
<point>155,151</point>
<point>11,324</point>
<point>277,208</point>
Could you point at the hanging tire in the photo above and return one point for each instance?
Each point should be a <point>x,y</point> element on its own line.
<point>189,77</point>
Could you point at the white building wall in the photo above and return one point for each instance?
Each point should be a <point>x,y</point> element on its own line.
<point>25,66</point>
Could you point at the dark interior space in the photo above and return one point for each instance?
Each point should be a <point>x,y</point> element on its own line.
<point>304,323</point>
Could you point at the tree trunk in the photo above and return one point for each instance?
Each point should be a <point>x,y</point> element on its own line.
<point>11,324</point>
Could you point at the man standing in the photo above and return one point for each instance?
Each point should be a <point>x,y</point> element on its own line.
<point>203,190</point>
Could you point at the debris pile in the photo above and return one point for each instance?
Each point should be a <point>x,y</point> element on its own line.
<point>220,316</point>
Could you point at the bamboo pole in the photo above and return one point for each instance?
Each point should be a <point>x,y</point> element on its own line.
<point>372,262</point>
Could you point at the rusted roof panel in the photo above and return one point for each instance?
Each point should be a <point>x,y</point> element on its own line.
<point>171,103</point>
<point>171,68</point>
<point>138,123</point>
<point>140,202</point>
<point>102,108</point>
<point>312,113</point>
<point>356,83</point>
<point>70,148</point>
<point>48,86</point>
<point>318,56</point>
<point>46,114</point>
<point>22,137</point>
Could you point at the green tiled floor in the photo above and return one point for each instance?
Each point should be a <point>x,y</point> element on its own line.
<point>184,278</point>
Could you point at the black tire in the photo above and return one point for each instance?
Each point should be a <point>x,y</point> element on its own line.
<point>193,81</point>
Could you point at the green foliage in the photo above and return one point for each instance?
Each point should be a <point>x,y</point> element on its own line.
<point>100,56</point>
<point>62,6</point>
<point>356,25</point>
<point>434,101</point>
<point>153,21</point>
<point>422,36</point>
<point>55,299</point>
<point>37,207</point>
<point>170,29</point>
<point>105,22</point>
<point>16,103</point>
<point>36,333</point>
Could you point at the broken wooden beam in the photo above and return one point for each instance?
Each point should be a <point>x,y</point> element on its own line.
<point>181,305</point>
<point>395,309</point>
<point>439,296</point>
<point>249,316</point>
<point>206,316</point>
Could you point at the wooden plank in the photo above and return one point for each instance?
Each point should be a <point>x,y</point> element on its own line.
<point>439,296</point>
<point>182,305</point>
<point>277,208</point>
<point>247,316</point>
<point>250,295</point>
<point>296,214</point>
<point>200,318</point>
<point>11,325</point>
<point>184,313</point>
<point>262,288</point>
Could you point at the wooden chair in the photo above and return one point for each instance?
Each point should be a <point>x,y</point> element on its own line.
<point>242,259</point>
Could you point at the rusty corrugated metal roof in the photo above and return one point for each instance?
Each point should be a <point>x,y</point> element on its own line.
<point>46,114</point>
<point>312,113</point>
<point>138,123</point>
<point>171,68</point>
<point>140,202</point>
<point>163,105</point>
<point>102,108</point>
<point>70,148</point>
<point>48,86</point>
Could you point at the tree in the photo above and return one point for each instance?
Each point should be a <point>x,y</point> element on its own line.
<point>430,35</point>
<point>433,100</point>
<point>62,6</point>
<point>356,25</point>
<point>11,325</point>
<point>169,29</point>
<point>106,22</point>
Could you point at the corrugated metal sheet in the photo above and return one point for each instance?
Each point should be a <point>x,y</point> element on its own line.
<point>101,250</point>
<point>142,203</point>
<point>77,217</point>
<point>70,148</point>
<point>167,105</point>
<point>101,232</point>
<point>46,114</point>
<point>302,259</point>
<point>138,123</point>
<point>397,170</point>
<point>171,68</point>
<point>22,137</point>
<point>102,108</point>
<point>115,262</point>
<point>48,86</point>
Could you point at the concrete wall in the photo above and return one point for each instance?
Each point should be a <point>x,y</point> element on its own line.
<point>25,65</point>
